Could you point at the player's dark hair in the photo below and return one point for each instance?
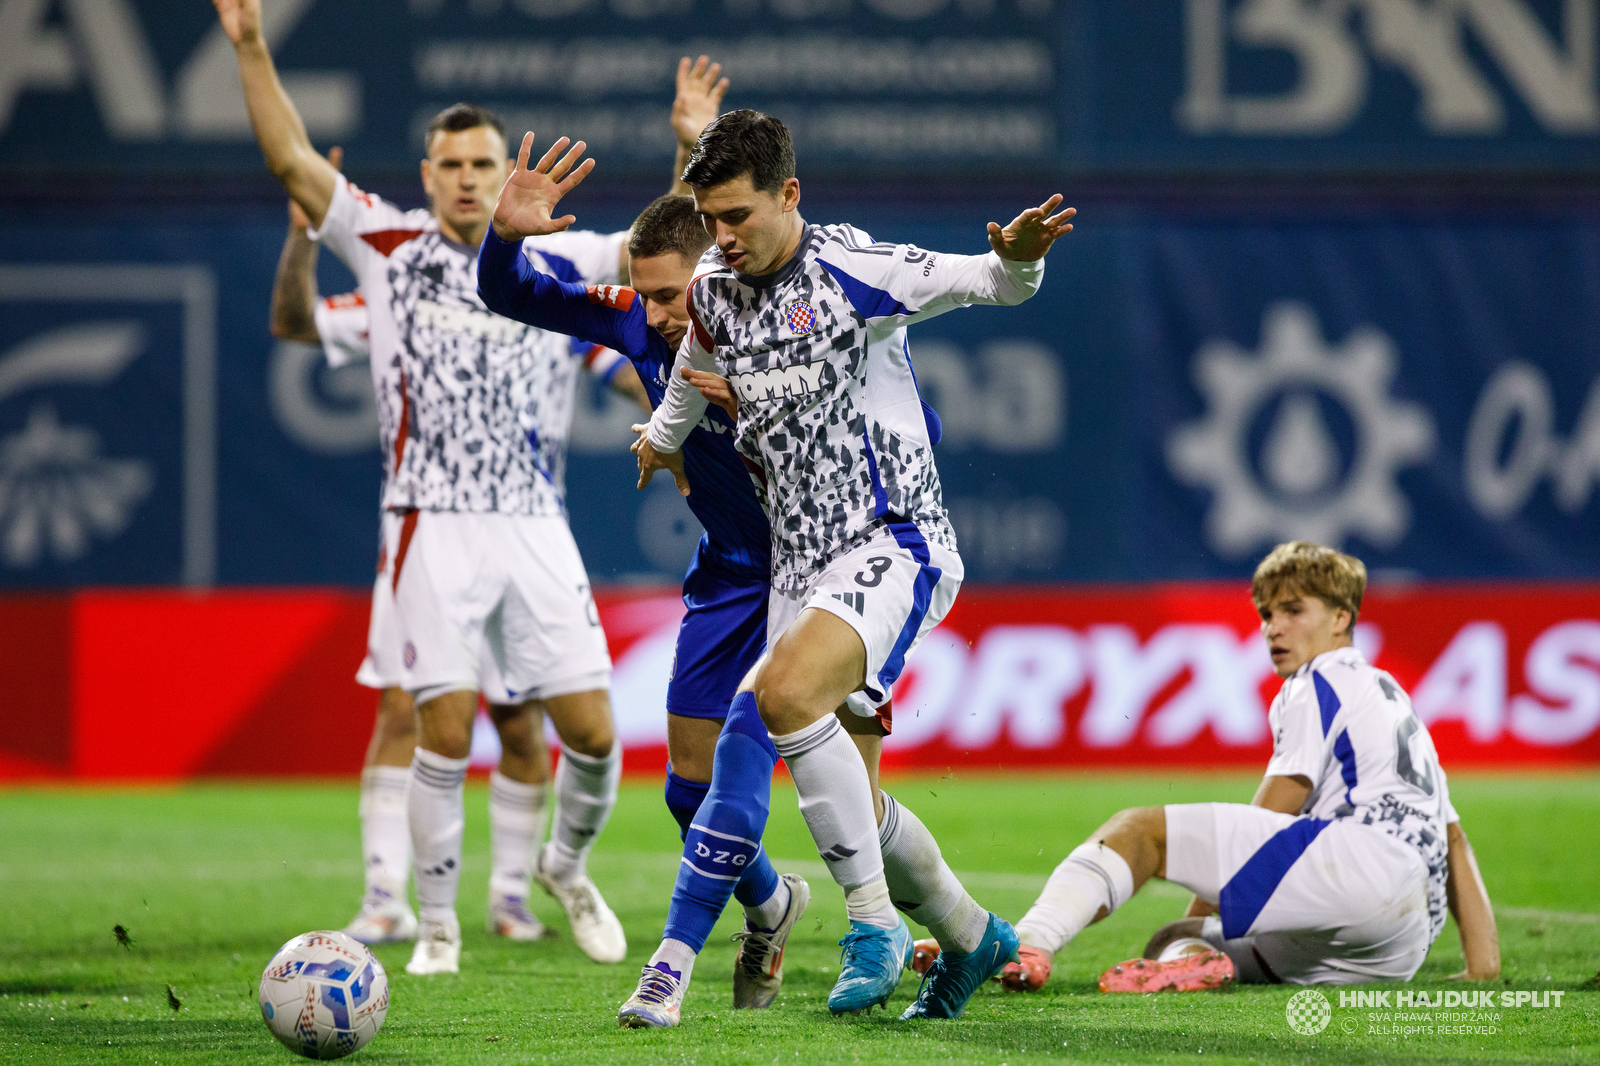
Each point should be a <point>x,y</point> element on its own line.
<point>739,143</point>
<point>458,117</point>
<point>669,224</point>
<point>1301,568</point>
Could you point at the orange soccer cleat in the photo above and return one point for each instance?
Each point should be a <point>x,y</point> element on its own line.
<point>1202,972</point>
<point>1029,972</point>
<point>923,953</point>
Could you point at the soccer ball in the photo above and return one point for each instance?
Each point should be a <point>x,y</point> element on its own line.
<point>324,995</point>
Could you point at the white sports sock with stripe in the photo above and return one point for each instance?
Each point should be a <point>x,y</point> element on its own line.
<point>437,823</point>
<point>385,828</point>
<point>516,828</point>
<point>921,883</point>
<point>586,792</point>
<point>1090,878</point>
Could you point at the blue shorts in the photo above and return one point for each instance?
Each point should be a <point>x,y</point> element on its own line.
<point>719,640</point>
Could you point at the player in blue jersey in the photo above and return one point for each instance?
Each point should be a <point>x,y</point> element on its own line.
<point>720,765</point>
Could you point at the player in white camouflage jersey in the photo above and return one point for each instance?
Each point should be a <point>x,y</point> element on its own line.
<point>472,563</point>
<point>340,325</point>
<point>808,323</point>
<point>1339,871</point>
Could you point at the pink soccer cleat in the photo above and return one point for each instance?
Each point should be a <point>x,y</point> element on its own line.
<point>923,953</point>
<point>1029,972</point>
<point>1201,972</point>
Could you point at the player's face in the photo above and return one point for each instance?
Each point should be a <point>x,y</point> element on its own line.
<point>463,175</point>
<point>662,281</point>
<point>1300,628</point>
<point>754,229</point>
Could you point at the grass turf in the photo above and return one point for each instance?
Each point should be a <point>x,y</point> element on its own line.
<point>210,879</point>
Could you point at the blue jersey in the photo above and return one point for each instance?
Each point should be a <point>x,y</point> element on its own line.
<point>722,495</point>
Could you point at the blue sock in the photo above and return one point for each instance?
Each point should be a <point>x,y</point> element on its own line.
<point>722,848</point>
<point>683,799</point>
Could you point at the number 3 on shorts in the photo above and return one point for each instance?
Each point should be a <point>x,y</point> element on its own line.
<point>879,565</point>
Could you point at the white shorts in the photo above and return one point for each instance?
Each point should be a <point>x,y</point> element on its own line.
<point>1302,901</point>
<point>495,603</point>
<point>382,667</point>
<point>892,590</point>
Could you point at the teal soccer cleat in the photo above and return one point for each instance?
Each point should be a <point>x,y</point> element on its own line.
<point>869,967</point>
<point>953,977</point>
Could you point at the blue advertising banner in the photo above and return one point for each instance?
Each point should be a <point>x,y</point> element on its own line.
<point>870,87</point>
<point>1187,389</point>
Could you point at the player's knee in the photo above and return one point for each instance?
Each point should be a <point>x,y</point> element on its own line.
<point>1175,930</point>
<point>397,715</point>
<point>593,738</point>
<point>784,699</point>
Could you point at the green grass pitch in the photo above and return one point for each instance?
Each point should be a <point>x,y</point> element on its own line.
<point>210,879</point>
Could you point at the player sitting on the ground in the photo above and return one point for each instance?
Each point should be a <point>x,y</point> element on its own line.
<point>519,785</point>
<point>475,425</point>
<point>808,323</point>
<point>1341,868</point>
<point>725,590</point>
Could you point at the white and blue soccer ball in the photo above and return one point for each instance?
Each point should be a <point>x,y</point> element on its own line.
<point>324,995</point>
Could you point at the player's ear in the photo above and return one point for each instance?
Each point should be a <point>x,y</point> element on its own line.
<point>790,194</point>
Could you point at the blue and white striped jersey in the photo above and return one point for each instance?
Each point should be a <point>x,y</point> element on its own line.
<point>1349,729</point>
<point>829,410</point>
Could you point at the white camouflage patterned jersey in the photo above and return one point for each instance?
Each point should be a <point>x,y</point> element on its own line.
<point>828,406</point>
<point>1349,729</point>
<point>367,232</point>
<point>486,401</point>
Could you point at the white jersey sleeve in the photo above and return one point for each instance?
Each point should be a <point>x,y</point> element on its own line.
<point>894,285</point>
<point>362,229</point>
<point>579,256</point>
<point>1298,746</point>
<point>683,406</point>
<point>342,327</point>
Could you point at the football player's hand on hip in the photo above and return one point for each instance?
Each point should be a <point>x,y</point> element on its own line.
<point>1029,236</point>
<point>651,460</point>
<point>529,196</point>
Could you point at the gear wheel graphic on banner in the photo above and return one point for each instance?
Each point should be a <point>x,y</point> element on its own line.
<point>1308,493</point>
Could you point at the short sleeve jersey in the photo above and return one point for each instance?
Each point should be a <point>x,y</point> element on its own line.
<point>343,328</point>
<point>829,408</point>
<point>487,401</point>
<point>1349,729</point>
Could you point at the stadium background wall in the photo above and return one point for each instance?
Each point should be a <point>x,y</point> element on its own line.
<point>1311,294</point>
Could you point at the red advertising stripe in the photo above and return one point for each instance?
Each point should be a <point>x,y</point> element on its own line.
<point>165,684</point>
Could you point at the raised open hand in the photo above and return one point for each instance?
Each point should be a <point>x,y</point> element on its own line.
<point>241,19</point>
<point>297,214</point>
<point>530,196</point>
<point>699,98</point>
<point>1029,236</point>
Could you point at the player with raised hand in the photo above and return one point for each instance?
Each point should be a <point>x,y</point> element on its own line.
<point>720,768</point>
<point>474,411</point>
<point>808,323</point>
<point>1342,867</point>
<point>339,324</point>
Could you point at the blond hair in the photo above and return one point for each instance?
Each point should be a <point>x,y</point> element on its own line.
<point>1301,568</point>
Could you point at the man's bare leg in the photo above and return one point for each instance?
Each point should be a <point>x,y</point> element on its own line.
<point>518,794</point>
<point>586,791</point>
<point>385,831</point>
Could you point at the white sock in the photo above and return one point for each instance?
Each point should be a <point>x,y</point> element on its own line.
<point>516,827</point>
<point>921,883</point>
<point>678,956</point>
<point>768,914</point>
<point>586,791</point>
<point>1090,878</point>
<point>836,802</point>
<point>385,829</point>
<point>437,822</point>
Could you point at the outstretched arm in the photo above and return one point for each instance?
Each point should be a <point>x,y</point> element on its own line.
<point>1469,906</point>
<point>699,100</point>
<point>294,288</point>
<point>308,177</point>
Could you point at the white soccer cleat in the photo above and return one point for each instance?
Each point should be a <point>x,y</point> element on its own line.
<point>510,917</point>
<point>658,1001</point>
<point>384,918</point>
<point>438,950</point>
<point>758,965</point>
<point>594,927</point>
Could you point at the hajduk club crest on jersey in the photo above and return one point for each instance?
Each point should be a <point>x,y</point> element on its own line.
<point>802,318</point>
